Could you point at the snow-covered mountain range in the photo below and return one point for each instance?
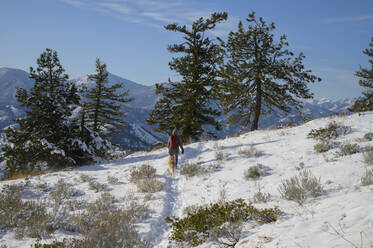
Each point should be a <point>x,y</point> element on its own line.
<point>139,135</point>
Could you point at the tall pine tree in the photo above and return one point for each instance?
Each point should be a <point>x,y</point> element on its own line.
<point>102,104</point>
<point>185,104</point>
<point>260,74</point>
<point>43,135</point>
<point>365,103</point>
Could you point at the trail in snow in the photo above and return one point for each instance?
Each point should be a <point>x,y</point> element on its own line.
<point>345,203</point>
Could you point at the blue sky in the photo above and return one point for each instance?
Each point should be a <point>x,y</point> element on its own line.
<point>128,35</point>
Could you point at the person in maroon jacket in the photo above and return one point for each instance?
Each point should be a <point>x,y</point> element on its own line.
<point>174,144</point>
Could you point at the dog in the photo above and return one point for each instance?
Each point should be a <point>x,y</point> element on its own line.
<point>171,165</point>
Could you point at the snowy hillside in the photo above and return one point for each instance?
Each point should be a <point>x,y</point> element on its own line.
<point>341,216</point>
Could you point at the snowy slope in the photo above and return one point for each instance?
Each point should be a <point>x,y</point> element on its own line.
<point>345,206</point>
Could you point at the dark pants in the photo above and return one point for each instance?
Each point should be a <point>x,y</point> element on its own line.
<point>176,156</point>
<point>174,152</point>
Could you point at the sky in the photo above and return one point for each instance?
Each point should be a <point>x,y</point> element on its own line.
<point>129,35</point>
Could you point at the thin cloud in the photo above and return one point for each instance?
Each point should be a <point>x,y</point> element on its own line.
<point>75,3</point>
<point>159,17</point>
<point>154,13</point>
<point>158,5</point>
<point>117,7</point>
<point>345,76</point>
<point>348,19</point>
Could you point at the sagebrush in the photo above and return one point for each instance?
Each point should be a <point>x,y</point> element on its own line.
<point>368,158</point>
<point>367,178</point>
<point>145,171</point>
<point>348,149</point>
<point>254,172</point>
<point>250,152</point>
<point>26,217</point>
<point>190,170</point>
<point>300,187</point>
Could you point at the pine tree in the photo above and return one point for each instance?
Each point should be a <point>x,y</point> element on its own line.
<point>42,136</point>
<point>365,103</point>
<point>51,133</point>
<point>260,74</point>
<point>101,110</point>
<point>185,104</point>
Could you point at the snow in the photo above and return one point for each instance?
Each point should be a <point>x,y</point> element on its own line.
<point>143,134</point>
<point>345,207</point>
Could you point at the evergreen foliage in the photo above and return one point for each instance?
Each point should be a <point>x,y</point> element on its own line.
<point>200,224</point>
<point>102,109</point>
<point>365,103</point>
<point>260,74</point>
<point>185,104</point>
<point>48,135</point>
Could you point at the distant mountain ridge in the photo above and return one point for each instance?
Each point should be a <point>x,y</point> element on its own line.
<point>10,80</point>
<point>139,134</point>
<point>144,96</point>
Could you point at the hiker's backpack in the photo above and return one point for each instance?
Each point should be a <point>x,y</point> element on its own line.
<point>174,142</point>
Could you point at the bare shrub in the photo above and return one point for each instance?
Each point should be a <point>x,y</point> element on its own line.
<point>74,205</point>
<point>300,166</point>
<point>103,226</point>
<point>137,210</point>
<point>148,197</point>
<point>298,188</point>
<point>112,180</point>
<point>368,148</point>
<point>145,171</point>
<point>368,158</point>
<point>260,197</point>
<point>190,170</point>
<point>62,191</point>
<point>323,146</point>
<point>348,149</point>
<point>85,178</point>
<point>210,168</point>
<point>367,178</point>
<point>104,202</point>
<point>368,136</point>
<point>151,185</point>
<point>96,186</point>
<point>109,229</point>
<point>332,131</point>
<point>254,172</point>
<point>250,152</point>
<point>42,187</point>
<point>220,156</point>
<point>216,145</point>
<point>27,217</point>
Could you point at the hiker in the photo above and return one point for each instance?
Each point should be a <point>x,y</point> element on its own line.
<point>174,144</point>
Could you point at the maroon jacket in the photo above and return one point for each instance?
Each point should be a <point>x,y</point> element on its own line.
<point>171,150</point>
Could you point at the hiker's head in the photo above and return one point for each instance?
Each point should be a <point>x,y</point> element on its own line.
<point>174,132</point>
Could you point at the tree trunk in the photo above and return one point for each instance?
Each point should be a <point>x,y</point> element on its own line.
<point>258,106</point>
